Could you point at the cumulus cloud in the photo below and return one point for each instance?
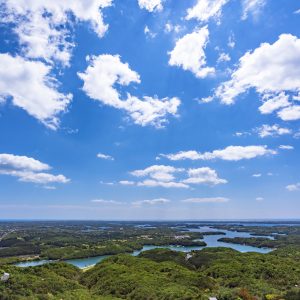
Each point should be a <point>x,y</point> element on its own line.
<point>273,70</point>
<point>22,162</point>
<point>159,176</point>
<point>28,169</point>
<point>189,54</point>
<point>43,27</point>
<point>272,103</point>
<point>223,57</point>
<point>157,201</point>
<point>272,130</point>
<point>293,187</point>
<point>31,87</point>
<point>291,113</point>
<point>102,76</point>
<point>149,33</point>
<point>104,156</point>
<point>252,7</point>
<point>203,175</point>
<point>206,200</point>
<point>230,153</point>
<point>206,9</point>
<point>151,5</point>
<point>171,177</point>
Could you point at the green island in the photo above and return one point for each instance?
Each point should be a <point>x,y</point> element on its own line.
<point>160,273</point>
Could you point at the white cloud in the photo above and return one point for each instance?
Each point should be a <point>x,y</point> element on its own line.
<point>149,33</point>
<point>223,57</point>
<point>107,71</point>
<point>127,182</point>
<point>189,54</point>
<point>169,27</point>
<point>231,41</point>
<point>253,7</point>
<point>203,175</point>
<point>158,172</point>
<point>32,88</point>
<point>274,130</point>
<point>28,169</point>
<point>157,201</point>
<point>105,156</point>
<point>293,187</point>
<point>43,26</point>
<point>102,201</point>
<point>40,178</point>
<point>151,5</point>
<point>106,183</point>
<point>230,153</point>
<point>259,199</point>
<point>291,113</point>
<point>22,162</point>
<point>164,184</point>
<point>271,70</point>
<point>286,147</point>
<point>256,175</point>
<point>206,200</point>
<point>206,9</point>
<point>272,103</point>
<point>297,12</point>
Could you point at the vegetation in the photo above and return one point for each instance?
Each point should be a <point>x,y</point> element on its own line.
<point>156,274</point>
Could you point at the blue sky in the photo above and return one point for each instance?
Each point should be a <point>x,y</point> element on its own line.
<point>149,109</point>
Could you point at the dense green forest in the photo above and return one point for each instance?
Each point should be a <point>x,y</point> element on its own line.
<point>163,274</point>
<point>158,274</point>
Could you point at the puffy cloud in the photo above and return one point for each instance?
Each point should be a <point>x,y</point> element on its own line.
<point>206,200</point>
<point>169,27</point>
<point>22,162</point>
<point>167,177</point>
<point>272,103</point>
<point>28,169</point>
<point>32,88</point>
<point>206,9</point>
<point>230,153</point>
<point>286,147</point>
<point>291,113</point>
<point>151,5</point>
<point>253,7</point>
<point>223,57</point>
<point>157,201</point>
<point>189,54</point>
<point>105,156</point>
<point>272,70</point>
<point>293,187</point>
<point>158,172</point>
<point>107,71</point>
<point>274,130</point>
<point>43,26</point>
<point>203,175</point>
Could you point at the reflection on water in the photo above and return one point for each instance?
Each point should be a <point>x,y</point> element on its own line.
<point>210,240</point>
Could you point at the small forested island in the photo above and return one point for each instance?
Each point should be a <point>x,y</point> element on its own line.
<point>159,260</point>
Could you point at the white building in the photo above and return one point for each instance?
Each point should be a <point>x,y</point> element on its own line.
<point>4,277</point>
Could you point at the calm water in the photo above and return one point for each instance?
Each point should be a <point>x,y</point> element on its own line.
<point>210,240</point>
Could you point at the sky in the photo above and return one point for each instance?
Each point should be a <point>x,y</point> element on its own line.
<point>149,109</point>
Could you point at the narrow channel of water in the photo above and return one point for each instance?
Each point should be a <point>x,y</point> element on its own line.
<point>210,240</point>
